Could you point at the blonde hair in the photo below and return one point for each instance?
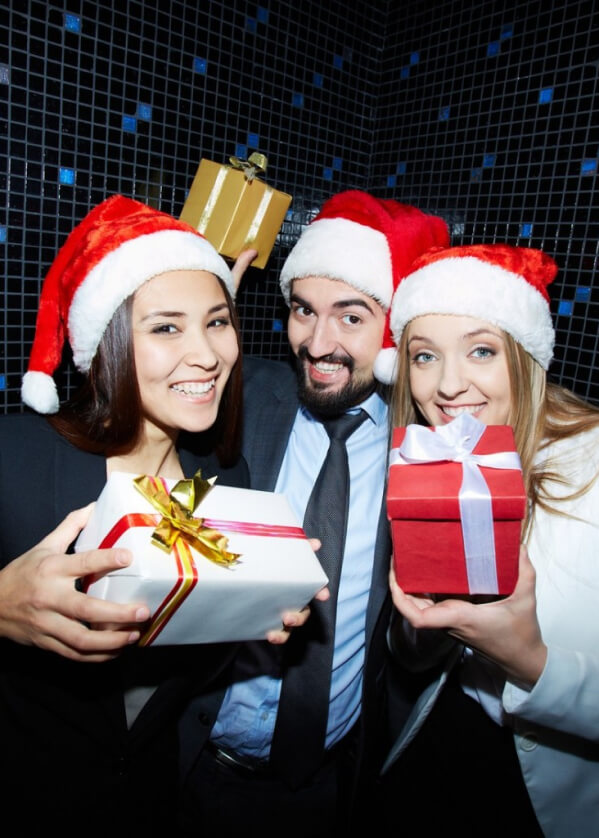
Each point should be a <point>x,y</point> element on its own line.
<point>540,414</point>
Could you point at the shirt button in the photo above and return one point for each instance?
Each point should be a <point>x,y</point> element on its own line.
<point>264,716</point>
<point>529,741</point>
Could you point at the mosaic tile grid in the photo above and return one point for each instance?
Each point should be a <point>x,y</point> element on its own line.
<point>488,118</point>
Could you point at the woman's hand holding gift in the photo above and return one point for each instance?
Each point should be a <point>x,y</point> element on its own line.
<point>506,630</point>
<point>40,606</point>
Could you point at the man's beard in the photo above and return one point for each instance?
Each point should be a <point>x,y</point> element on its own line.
<point>318,398</point>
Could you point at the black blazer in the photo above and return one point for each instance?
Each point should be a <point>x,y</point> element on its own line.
<point>65,743</point>
<point>270,407</point>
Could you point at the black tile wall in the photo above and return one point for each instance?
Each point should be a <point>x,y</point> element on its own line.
<point>483,112</point>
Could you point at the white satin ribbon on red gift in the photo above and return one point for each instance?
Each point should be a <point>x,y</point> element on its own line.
<point>455,442</point>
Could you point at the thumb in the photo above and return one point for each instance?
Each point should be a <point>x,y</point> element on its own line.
<point>526,572</point>
<point>68,529</point>
<point>241,265</point>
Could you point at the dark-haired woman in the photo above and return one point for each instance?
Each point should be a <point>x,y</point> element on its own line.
<point>146,304</point>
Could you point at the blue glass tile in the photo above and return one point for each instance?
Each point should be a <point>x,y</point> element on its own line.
<point>317,80</point>
<point>526,231</point>
<point>444,114</point>
<point>401,168</point>
<point>588,167</point>
<point>130,124</point>
<point>4,74</point>
<point>144,112</point>
<point>66,176</point>
<point>565,308</point>
<point>545,96</point>
<point>253,140</point>
<point>2,382</point>
<point>404,73</point>
<point>262,14</point>
<point>488,161</point>
<point>476,175</point>
<point>200,65</point>
<point>241,151</point>
<point>583,294</point>
<point>250,24</point>
<point>507,30</point>
<point>391,180</point>
<point>297,100</point>
<point>3,234</point>
<point>327,173</point>
<point>289,215</point>
<point>493,49</point>
<point>415,58</point>
<point>337,164</point>
<point>72,23</point>
<point>277,325</point>
<point>338,62</point>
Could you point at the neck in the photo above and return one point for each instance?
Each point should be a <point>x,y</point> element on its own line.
<point>154,454</point>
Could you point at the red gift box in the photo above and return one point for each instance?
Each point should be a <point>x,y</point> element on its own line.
<point>423,506</point>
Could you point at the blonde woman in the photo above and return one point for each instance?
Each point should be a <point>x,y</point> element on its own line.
<point>505,735</point>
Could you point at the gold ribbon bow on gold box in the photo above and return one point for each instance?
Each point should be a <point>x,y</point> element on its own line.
<point>255,165</point>
<point>178,521</point>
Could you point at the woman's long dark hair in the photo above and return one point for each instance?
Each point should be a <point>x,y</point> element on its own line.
<point>105,415</point>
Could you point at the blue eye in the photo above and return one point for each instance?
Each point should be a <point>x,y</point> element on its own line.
<point>483,352</point>
<point>423,358</point>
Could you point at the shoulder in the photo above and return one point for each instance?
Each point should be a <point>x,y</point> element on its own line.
<point>575,459</point>
<point>27,435</point>
<point>269,373</point>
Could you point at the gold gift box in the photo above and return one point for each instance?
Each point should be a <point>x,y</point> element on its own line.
<point>234,209</point>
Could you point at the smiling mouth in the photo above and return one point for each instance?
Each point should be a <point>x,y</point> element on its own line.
<point>326,367</point>
<point>472,409</point>
<point>194,388</point>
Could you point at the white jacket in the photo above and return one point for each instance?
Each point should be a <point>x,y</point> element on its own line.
<point>556,724</point>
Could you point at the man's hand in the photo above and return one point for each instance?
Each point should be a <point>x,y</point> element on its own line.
<point>241,265</point>
<point>39,605</point>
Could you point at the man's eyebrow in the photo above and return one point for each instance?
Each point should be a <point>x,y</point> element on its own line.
<point>339,304</point>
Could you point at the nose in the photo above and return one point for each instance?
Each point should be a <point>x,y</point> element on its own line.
<point>452,380</point>
<point>199,351</point>
<point>323,340</point>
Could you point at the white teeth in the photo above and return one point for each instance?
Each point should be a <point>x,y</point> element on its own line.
<point>322,366</point>
<point>194,388</point>
<point>456,411</point>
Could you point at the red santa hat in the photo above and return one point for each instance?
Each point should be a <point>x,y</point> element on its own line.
<point>117,247</point>
<point>504,285</point>
<point>369,243</point>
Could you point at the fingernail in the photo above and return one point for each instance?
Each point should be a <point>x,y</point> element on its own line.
<point>123,557</point>
<point>133,637</point>
<point>142,614</point>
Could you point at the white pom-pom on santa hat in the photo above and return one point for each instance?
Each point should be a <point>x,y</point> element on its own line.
<point>117,247</point>
<point>368,243</point>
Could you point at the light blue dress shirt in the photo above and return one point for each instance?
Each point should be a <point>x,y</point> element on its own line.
<point>247,717</point>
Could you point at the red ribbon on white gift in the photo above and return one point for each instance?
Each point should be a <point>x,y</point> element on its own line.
<point>455,442</point>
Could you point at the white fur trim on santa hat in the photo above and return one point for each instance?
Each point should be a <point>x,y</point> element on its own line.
<point>385,365</point>
<point>337,248</point>
<point>467,286</point>
<point>122,271</point>
<point>38,391</point>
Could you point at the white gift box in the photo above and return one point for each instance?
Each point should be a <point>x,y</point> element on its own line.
<point>239,602</point>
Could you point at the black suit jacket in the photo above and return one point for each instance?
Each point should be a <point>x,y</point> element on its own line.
<point>270,407</point>
<point>65,743</point>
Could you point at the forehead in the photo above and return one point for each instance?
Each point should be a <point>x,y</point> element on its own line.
<point>322,291</point>
<point>438,326</point>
